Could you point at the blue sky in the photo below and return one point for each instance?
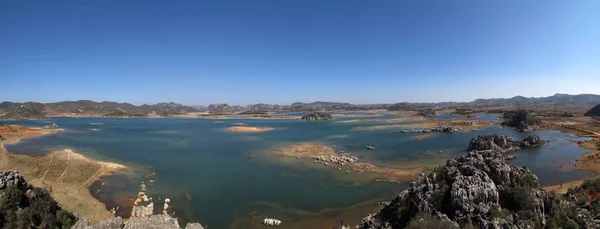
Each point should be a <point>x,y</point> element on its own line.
<point>241,52</point>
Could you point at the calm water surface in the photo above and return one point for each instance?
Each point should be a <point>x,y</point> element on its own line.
<point>212,177</point>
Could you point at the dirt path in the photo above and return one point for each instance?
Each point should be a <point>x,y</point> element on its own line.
<point>66,167</point>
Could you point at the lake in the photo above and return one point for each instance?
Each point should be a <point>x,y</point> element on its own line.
<point>212,176</point>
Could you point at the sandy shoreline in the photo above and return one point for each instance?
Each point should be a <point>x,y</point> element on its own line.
<point>65,173</point>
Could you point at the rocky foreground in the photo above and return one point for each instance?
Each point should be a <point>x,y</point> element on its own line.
<point>21,204</point>
<point>480,190</point>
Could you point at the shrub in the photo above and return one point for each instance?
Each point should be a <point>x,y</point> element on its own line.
<point>13,198</point>
<point>25,217</point>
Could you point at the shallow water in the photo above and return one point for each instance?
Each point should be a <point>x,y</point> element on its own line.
<point>212,177</point>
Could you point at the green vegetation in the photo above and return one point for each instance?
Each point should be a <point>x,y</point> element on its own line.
<point>119,113</point>
<point>465,111</point>
<point>38,210</point>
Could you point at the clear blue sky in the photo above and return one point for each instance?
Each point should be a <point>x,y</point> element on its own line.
<point>240,52</point>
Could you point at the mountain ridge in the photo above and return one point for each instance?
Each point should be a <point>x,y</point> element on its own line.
<point>166,109</point>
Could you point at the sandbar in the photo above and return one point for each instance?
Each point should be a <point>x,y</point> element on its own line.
<point>248,129</point>
<point>308,151</point>
<point>431,123</point>
<point>421,137</point>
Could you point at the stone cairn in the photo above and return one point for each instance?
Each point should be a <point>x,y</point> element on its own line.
<point>144,207</point>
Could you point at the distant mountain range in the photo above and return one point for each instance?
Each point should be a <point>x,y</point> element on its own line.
<point>32,110</point>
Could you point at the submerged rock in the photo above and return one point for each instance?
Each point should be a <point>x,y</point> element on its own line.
<point>317,115</point>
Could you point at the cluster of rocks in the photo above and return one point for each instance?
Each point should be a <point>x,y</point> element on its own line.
<point>317,115</point>
<point>521,120</point>
<point>341,160</point>
<point>444,129</point>
<point>271,222</point>
<point>504,143</point>
<point>12,178</point>
<point>143,205</point>
<point>142,216</point>
<point>468,190</point>
<point>427,113</point>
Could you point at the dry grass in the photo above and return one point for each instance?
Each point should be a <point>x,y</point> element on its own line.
<point>65,173</point>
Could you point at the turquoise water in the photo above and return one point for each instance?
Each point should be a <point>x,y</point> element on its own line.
<point>212,176</point>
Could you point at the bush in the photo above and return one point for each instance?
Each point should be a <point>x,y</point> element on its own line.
<point>25,218</point>
<point>517,198</point>
<point>65,219</point>
<point>39,212</point>
<point>12,199</point>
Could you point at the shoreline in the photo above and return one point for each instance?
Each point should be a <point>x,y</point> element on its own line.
<point>588,161</point>
<point>66,174</point>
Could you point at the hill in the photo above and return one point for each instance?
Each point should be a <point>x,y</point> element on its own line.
<point>22,111</point>
<point>593,112</point>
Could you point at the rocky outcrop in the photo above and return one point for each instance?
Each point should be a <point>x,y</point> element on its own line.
<point>152,222</point>
<point>480,189</point>
<point>503,143</point>
<point>12,178</point>
<point>427,113</point>
<point>317,115</point>
<point>593,112</point>
<point>521,120</point>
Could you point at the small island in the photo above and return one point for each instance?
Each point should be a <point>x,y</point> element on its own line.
<point>317,115</point>
<point>249,129</point>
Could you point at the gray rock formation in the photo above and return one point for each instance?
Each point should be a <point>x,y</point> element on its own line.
<point>84,223</point>
<point>471,190</point>
<point>317,115</point>
<point>12,178</point>
<point>503,143</point>
<point>152,222</point>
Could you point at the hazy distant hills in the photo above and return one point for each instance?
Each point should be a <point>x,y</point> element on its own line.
<point>32,110</point>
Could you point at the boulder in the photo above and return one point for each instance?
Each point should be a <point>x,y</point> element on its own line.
<point>12,178</point>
